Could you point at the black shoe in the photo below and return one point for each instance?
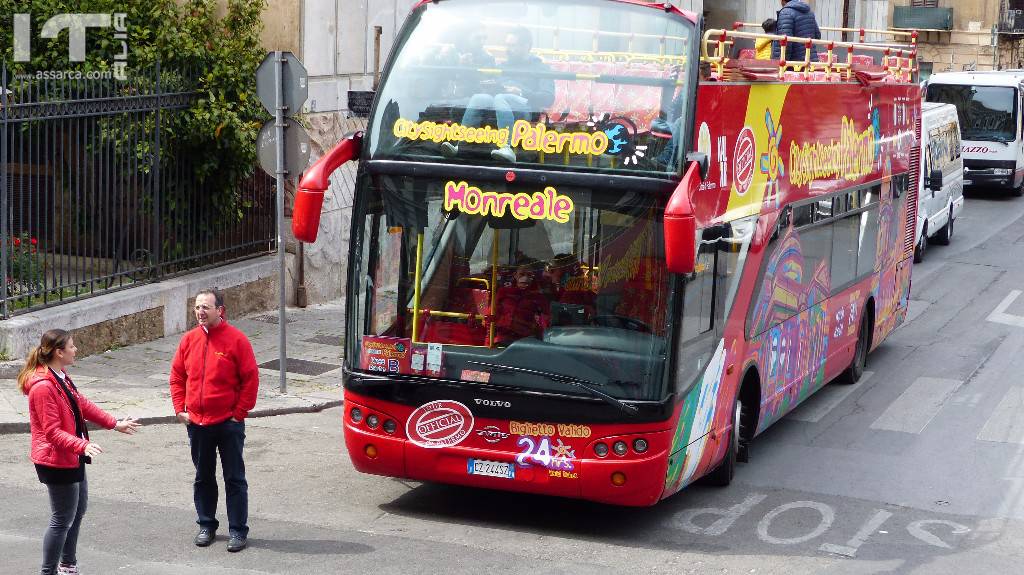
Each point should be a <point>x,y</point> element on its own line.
<point>237,543</point>
<point>205,536</point>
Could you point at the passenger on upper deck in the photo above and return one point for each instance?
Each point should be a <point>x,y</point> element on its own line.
<point>523,87</point>
<point>796,19</point>
<point>469,53</point>
<point>763,46</point>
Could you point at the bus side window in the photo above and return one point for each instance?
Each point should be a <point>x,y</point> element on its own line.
<point>699,293</point>
<point>868,239</point>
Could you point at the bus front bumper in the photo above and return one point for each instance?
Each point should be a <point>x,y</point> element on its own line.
<point>614,480</point>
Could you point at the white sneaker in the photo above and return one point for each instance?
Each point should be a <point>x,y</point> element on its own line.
<point>449,150</point>
<point>504,153</point>
<point>65,569</point>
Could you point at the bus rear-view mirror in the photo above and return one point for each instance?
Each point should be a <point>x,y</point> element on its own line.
<point>680,225</point>
<point>702,161</point>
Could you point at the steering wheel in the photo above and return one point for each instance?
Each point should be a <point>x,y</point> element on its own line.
<point>623,322</point>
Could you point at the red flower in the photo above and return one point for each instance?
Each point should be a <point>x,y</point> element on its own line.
<point>17,242</point>
<point>33,241</point>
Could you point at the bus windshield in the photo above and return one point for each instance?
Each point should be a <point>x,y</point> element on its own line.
<point>986,113</point>
<point>568,281</point>
<point>578,84</point>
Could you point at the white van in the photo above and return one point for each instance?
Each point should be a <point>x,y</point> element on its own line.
<point>940,193</point>
<point>989,105</point>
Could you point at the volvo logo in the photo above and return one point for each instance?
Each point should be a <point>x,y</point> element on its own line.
<point>491,434</point>
<point>493,402</point>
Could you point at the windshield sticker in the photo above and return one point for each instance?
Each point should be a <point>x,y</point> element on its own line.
<point>385,354</point>
<point>438,133</point>
<point>538,138</point>
<point>523,135</point>
<point>441,423</point>
<point>474,375</point>
<point>546,205</point>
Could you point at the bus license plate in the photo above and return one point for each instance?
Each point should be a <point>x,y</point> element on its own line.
<point>491,468</point>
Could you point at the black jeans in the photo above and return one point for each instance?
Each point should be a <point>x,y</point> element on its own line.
<point>227,437</point>
<point>67,504</point>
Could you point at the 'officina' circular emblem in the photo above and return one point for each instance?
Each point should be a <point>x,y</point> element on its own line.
<point>440,423</point>
<point>743,160</point>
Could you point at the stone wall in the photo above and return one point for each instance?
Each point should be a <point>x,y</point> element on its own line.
<point>149,311</point>
<point>956,51</point>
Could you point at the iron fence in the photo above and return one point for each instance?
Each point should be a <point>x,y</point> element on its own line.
<point>92,203</point>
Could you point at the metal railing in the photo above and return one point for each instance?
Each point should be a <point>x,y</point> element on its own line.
<point>92,202</point>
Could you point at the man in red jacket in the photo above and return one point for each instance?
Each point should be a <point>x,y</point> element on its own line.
<point>214,381</point>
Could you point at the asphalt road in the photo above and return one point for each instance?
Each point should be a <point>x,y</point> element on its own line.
<point>919,468</point>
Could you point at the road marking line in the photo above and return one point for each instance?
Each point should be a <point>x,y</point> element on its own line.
<point>913,409</point>
<point>999,314</point>
<point>818,405</point>
<point>1006,424</point>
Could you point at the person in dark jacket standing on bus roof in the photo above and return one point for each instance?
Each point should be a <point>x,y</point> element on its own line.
<point>796,19</point>
<point>214,381</point>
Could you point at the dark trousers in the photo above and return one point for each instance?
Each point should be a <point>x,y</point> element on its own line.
<point>67,505</point>
<point>228,438</point>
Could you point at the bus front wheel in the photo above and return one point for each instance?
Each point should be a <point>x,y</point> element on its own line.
<point>723,474</point>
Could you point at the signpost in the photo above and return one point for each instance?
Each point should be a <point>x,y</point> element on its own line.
<point>282,87</point>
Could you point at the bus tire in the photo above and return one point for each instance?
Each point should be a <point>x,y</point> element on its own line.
<point>922,245</point>
<point>860,353</point>
<point>946,233</point>
<point>726,470</point>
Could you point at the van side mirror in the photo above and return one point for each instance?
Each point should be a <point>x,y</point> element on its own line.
<point>680,224</point>
<point>702,161</point>
<point>935,180</point>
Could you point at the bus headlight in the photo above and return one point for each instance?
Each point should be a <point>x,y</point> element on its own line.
<point>639,445</point>
<point>619,447</point>
<point>357,414</point>
<point>372,421</point>
<point>390,426</point>
<point>601,449</point>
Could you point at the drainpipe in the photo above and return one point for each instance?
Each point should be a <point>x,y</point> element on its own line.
<point>995,47</point>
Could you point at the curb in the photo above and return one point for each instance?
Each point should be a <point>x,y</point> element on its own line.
<point>23,426</point>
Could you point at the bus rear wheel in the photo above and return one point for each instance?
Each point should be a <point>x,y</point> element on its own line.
<point>726,470</point>
<point>860,354</point>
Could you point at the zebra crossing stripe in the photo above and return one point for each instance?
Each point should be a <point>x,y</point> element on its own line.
<point>916,406</point>
<point>1006,424</point>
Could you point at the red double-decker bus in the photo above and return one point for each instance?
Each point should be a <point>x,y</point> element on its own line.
<point>594,251</point>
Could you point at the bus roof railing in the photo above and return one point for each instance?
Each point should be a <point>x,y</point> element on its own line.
<point>910,37</point>
<point>898,63</point>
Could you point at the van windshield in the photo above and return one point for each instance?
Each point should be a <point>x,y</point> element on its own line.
<point>987,113</point>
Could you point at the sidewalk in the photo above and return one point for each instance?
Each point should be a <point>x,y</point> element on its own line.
<point>133,380</point>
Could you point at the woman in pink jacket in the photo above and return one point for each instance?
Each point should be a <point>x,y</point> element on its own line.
<point>60,443</point>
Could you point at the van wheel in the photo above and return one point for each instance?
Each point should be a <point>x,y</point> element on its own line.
<point>726,470</point>
<point>946,233</point>
<point>1017,191</point>
<point>860,354</point>
<point>922,245</point>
